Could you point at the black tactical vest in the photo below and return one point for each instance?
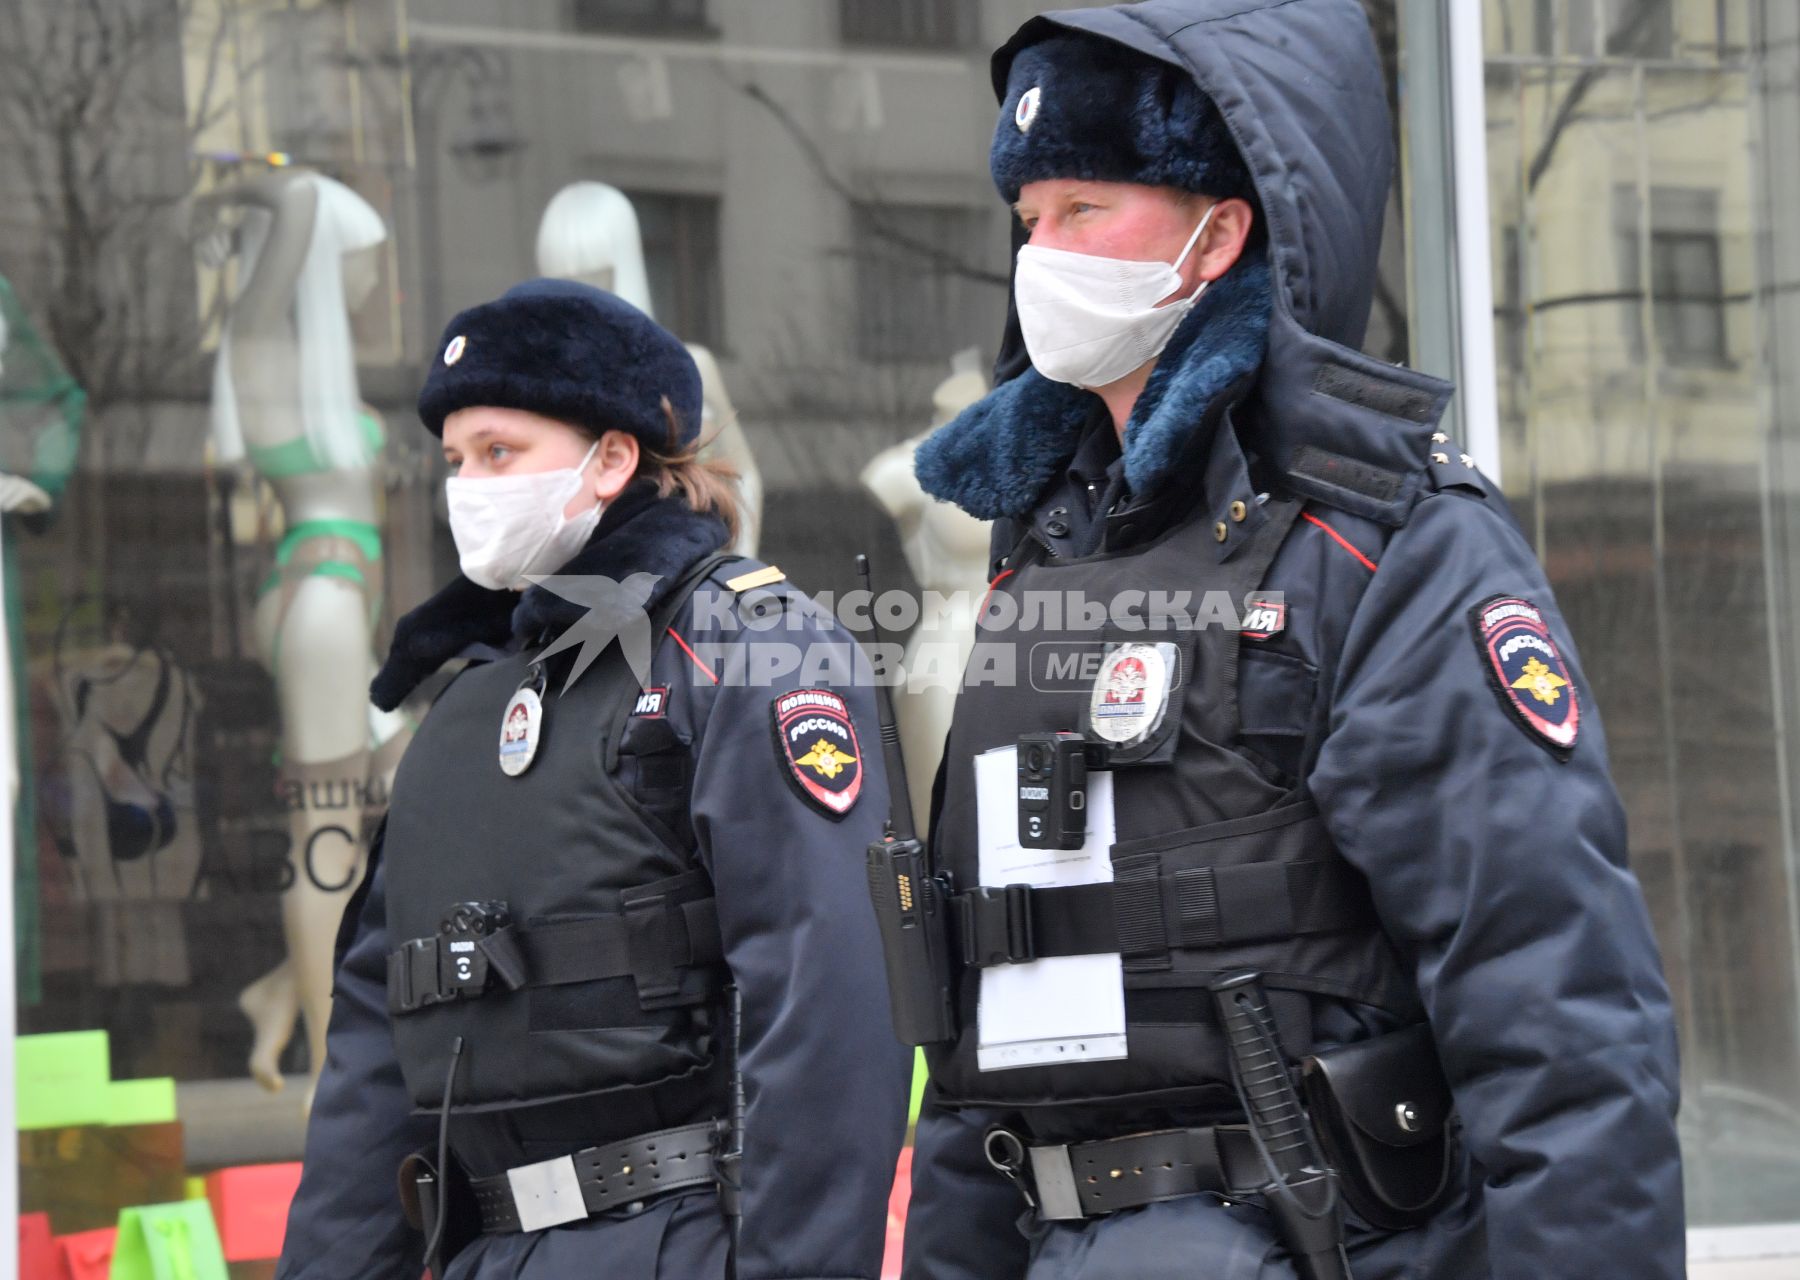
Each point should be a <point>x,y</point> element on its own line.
<point>604,971</point>
<point>1216,867</point>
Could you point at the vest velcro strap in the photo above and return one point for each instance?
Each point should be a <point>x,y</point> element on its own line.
<point>1196,907</point>
<point>652,941</point>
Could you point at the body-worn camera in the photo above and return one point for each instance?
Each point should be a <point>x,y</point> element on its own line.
<point>462,965</point>
<point>1053,769</point>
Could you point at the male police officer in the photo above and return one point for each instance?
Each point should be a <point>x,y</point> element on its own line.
<point>1386,795</point>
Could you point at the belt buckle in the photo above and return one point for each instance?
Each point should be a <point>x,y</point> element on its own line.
<point>1053,1173</point>
<point>547,1194</point>
<point>1049,1186</point>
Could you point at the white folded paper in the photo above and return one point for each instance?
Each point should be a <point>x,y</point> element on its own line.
<point>1063,1008</point>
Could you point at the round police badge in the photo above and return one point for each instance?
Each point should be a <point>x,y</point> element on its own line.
<point>1130,693</point>
<point>519,730</point>
<point>1527,672</point>
<point>1026,113</point>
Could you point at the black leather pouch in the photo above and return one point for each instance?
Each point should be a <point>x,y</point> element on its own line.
<point>419,1192</point>
<point>1382,1109</point>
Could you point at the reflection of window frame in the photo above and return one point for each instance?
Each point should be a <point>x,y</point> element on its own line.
<point>910,309</point>
<point>1573,29</point>
<point>669,16</point>
<point>1680,219</point>
<point>910,24</point>
<point>679,232</point>
<point>1509,303</point>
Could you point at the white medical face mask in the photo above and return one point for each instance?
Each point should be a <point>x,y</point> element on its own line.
<point>509,526</point>
<point>1089,320</point>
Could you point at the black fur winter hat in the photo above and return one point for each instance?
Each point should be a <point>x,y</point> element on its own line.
<point>1078,106</point>
<point>568,351</point>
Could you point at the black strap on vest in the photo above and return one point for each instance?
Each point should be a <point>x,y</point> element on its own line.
<point>1198,907</point>
<point>661,929</point>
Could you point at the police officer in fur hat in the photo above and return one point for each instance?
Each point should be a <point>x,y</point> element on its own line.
<point>608,1001</point>
<point>1367,986</point>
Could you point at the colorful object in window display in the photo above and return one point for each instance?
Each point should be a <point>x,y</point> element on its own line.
<point>37,1248</point>
<point>250,1204</point>
<point>87,1255</point>
<point>177,1241</point>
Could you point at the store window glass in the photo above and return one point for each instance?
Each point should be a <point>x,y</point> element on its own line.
<point>1648,420</point>
<point>230,235</point>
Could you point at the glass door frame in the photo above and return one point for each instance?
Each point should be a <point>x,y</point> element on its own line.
<point>1443,103</point>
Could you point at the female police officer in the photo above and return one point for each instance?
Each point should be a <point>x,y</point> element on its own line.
<point>1381,786</point>
<point>614,967</point>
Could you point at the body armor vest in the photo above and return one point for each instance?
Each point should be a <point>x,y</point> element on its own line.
<point>1216,867</point>
<point>546,919</point>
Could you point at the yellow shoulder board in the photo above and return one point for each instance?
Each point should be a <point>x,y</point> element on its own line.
<point>756,578</point>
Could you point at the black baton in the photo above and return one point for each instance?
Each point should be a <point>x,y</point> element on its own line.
<point>1302,1191</point>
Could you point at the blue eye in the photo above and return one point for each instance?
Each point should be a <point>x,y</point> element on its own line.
<point>498,453</point>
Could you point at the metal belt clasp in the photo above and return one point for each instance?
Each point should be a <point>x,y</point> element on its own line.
<point>1045,1176</point>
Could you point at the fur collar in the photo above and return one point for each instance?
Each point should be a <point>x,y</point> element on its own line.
<point>997,457</point>
<point>638,533</point>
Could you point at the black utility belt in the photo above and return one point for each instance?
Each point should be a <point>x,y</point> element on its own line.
<point>1385,1123</point>
<point>571,1188</point>
<point>1090,1179</point>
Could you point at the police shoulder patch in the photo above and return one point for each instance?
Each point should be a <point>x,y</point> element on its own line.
<point>1527,673</point>
<point>815,741</point>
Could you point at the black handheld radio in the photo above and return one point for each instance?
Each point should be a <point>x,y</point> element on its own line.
<point>911,905</point>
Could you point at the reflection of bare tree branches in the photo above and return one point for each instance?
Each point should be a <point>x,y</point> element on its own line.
<point>798,379</point>
<point>1627,37</point>
<point>95,100</point>
<point>879,226</point>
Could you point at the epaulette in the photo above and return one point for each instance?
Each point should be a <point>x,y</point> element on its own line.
<point>757,593</point>
<point>1450,468</point>
<point>767,576</point>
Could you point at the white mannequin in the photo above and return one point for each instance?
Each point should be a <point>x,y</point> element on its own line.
<point>947,550</point>
<point>285,398</point>
<point>589,232</point>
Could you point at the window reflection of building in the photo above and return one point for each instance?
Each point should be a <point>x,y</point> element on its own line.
<point>1645,28</point>
<point>927,24</point>
<point>1686,287</point>
<point>637,15</point>
<point>681,256</point>
<point>1637,431</point>
<point>909,278</point>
